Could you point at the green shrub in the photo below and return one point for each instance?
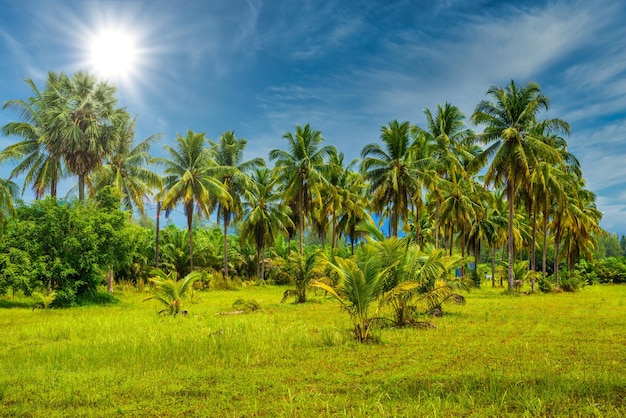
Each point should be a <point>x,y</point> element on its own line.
<point>246,305</point>
<point>571,281</point>
<point>545,284</point>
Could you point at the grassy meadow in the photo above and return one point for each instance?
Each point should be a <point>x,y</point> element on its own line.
<point>531,355</point>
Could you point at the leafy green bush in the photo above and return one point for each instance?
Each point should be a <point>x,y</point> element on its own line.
<point>545,284</point>
<point>65,247</point>
<point>610,270</point>
<point>571,280</point>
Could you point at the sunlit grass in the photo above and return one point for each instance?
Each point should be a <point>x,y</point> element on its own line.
<point>539,355</point>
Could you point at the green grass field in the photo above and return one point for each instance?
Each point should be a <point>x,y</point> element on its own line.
<point>539,355</point>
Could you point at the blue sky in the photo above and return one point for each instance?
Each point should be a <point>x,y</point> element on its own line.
<point>346,67</point>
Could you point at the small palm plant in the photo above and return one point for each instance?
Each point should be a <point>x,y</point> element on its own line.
<point>303,269</point>
<point>360,285</point>
<point>44,300</point>
<point>425,285</point>
<point>172,291</point>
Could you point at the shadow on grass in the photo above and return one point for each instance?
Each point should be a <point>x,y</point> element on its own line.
<point>15,303</point>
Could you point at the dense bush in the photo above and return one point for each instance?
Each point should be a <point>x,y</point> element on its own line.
<point>65,247</point>
<point>610,270</point>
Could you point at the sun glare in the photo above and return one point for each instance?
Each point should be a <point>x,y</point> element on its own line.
<point>113,54</point>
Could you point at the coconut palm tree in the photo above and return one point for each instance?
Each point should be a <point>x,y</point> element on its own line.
<point>82,122</point>
<point>43,170</point>
<point>510,120</point>
<point>300,167</point>
<point>337,191</point>
<point>354,207</point>
<point>229,155</point>
<point>444,136</point>
<point>264,218</point>
<point>127,170</point>
<point>394,174</point>
<point>189,179</point>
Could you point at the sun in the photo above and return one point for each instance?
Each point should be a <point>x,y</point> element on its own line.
<point>113,53</point>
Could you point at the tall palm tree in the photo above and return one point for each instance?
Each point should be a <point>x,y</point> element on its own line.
<point>264,217</point>
<point>127,170</point>
<point>395,175</point>
<point>43,169</point>
<point>189,179</point>
<point>354,208</point>
<point>337,192</point>
<point>82,122</point>
<point>300,167</point>
<point>510,119</point>
<point>444,137</point>
<point>229,155</point>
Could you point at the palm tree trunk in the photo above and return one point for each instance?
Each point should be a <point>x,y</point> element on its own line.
<point>352,242</point>
<point>334,230</point>
<point>493,267</point>
<point>226,221</point>
<point>545,244</point>
<point>451,239</point>
<point>263,262</point>
<point>463,250</point>
<point>557,243</point>
<point>509,193</point>
<point>301,216</point>
<point>533,263</point>
<point>156,246</point>
<point>81,187</point>
<point>476,255</point>
<point>190,230</point>
<point>436,224</point>
<point>258,261</point>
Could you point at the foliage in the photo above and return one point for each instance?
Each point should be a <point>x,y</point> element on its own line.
<point>545,284</point>
<point>361,283</point>
<point>171,291</point>
<point>610,270</point>
<point>571,281</point>
<point>64,247</point>
<point>44,301</point>
<point>303,269</point>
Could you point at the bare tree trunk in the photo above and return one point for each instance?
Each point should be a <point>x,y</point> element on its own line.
<point>156,246</point>
<point>533,264</point>
<point>463,250</point>
<point>190,230</point>
<point>226,221</point>
<point>301,226</point>
<point>556,259</point>
<point>110,278</point>
<point>81,187</point>
<point>493,268</point>
<point>333,238</point>
<point>510,277</point>
<point>263,262</point>
<point>436,224</point>
<point>545,245</point>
